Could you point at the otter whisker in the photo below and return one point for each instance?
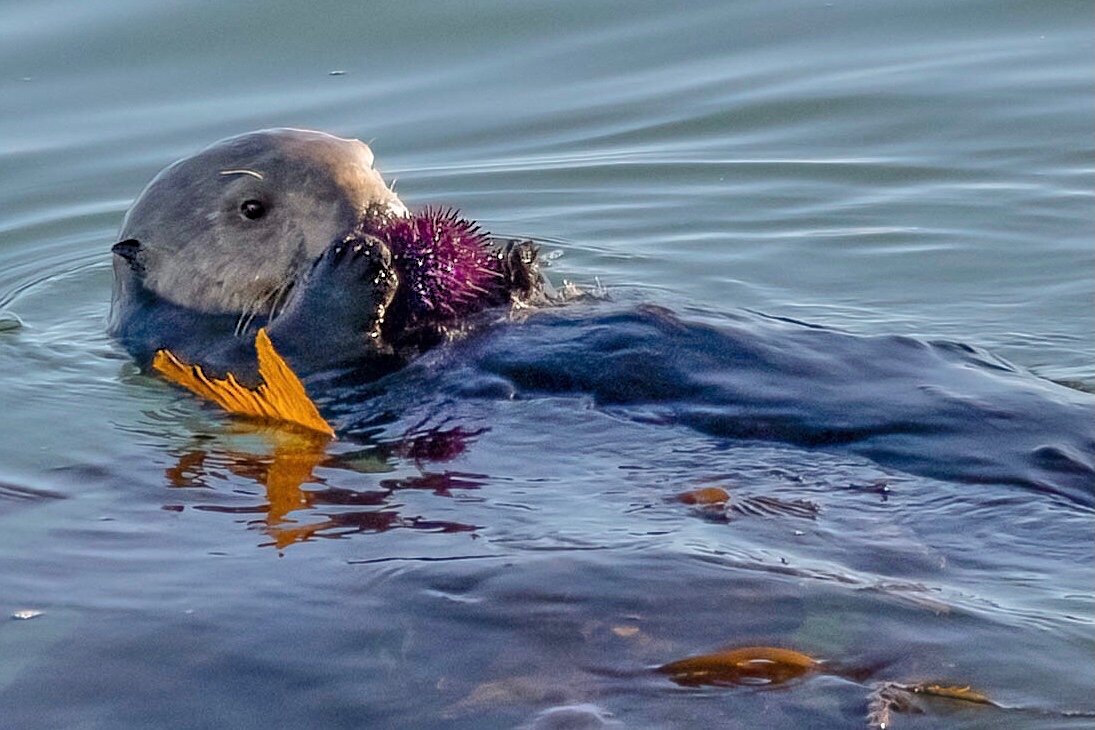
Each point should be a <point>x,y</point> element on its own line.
<point>247,317</point>
<point>239,323</point>
<point>244,322</point>
<point>280,295</point>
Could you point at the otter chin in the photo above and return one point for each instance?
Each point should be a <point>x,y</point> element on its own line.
<point>295,231</point>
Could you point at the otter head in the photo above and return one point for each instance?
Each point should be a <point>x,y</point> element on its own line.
<point>229,229</point>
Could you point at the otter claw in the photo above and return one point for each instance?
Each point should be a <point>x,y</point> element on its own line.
<point>368,258</point>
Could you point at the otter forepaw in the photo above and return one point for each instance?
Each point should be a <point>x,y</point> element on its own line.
<point>338,308</point>
<point>355,267</point>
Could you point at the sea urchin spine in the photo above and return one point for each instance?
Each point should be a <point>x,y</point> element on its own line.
<point>445,264</point>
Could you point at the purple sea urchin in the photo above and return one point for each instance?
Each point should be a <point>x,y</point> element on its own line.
<point>447,268</point>
<point>445,264</point>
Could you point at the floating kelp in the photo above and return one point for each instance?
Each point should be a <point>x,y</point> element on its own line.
<point>280,397</point>
<point>888,698</point>
<point>766,665</point>
<point>705,496</point>
<point>749,665</point>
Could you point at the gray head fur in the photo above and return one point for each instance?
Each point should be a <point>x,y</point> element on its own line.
<point>200,249</point>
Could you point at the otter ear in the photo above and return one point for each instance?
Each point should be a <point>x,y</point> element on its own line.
<point>128,250</point>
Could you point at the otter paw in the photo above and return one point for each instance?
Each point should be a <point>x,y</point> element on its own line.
<point>354,265</point>
<point>354,276</point>
<point>340,305</point>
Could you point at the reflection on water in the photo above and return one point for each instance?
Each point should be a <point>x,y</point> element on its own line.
<point>293,513</point>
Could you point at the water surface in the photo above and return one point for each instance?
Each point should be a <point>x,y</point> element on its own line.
<point>835,237</point>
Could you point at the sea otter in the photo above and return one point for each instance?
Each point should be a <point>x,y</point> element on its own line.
<point>294,231</point>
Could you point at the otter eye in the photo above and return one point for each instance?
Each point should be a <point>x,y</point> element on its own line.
<point>252,209</point>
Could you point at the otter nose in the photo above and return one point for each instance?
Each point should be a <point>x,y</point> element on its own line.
<point>129,250</point>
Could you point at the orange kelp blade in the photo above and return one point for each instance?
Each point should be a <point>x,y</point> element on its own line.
<point>705,496</point>
<point>952,692</point>
<point>747,665</point>
<point>280,397</point>
<point>889,698</point>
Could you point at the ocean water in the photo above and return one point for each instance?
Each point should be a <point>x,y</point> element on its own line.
<point>845,250</point>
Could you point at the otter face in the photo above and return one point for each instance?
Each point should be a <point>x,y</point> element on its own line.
<point>231,228</point>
